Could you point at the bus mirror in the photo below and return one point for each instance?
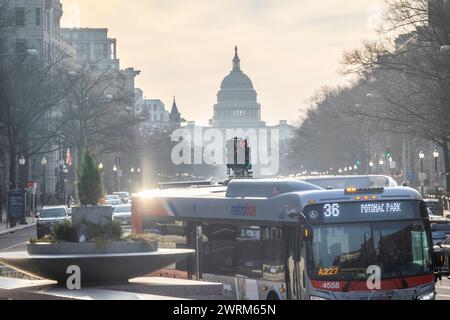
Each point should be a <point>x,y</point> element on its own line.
<point>295,213</point>
<point>439,259</point>
<point>302,219</point>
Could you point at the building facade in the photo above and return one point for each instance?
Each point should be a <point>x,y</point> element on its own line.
<point>32,24</point>
<point>93,47</point>
<point>31,29</point>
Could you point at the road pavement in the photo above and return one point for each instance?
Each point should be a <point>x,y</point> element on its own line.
<point>16,241</point>
<point>443,289</point>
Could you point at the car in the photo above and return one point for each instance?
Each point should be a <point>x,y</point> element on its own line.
<point>435,205</point>
<point>436,219</point>
<point>122,213</point>
<point>444,248</point>
<point>123,195</point>
<point>440,230</point>
<point>112,200</point>
<point>48,217</point>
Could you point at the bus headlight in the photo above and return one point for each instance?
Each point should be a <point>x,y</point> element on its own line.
<point>316,298</point>
<point>427,296</point>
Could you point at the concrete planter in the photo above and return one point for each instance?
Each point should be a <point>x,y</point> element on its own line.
<point>86,248</point>
<point>98,215</point>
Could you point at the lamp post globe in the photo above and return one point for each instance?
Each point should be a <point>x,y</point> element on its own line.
<point>422,154</point>
<point>436,154</point>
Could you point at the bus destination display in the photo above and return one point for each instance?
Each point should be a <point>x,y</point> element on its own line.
<point>360,211</point>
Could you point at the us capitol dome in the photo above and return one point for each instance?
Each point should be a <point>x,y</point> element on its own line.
<point>237,105</point>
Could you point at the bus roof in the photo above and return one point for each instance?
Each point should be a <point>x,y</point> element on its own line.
<point>206,204</point>
<point>341,182</point>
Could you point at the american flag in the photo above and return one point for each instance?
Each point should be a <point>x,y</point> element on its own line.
<point>68,158</point>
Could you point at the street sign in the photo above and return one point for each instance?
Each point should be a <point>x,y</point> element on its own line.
<point>422,176</point>
<point>411,176</point>
<point>16,204</point>
<point>392,164</point>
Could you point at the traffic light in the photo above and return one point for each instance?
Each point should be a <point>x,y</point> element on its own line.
<point>388,153</point>
<point>358,163</point>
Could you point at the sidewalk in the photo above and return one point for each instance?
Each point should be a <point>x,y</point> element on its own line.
<point>5,229</point>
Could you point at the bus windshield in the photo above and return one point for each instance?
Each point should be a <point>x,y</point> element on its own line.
<point>344,252</point>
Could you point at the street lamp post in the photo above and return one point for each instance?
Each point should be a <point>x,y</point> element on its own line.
<point>44,176</point>
<point>22,162</point>
<point>371,165</point>
<point>132,178</point>
<point>436,157</point>
<point>421,157</point>
<point>115,169</point>
<point>381,163</point>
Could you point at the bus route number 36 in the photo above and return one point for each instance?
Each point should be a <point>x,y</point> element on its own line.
<point>331,210</point>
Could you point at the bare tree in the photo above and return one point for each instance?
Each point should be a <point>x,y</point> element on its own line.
<point>99,111</point>
<point>412,73</point>
<point>30,96</point>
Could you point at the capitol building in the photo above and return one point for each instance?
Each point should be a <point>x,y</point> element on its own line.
<point>237,108</point>
<point>237,105</point>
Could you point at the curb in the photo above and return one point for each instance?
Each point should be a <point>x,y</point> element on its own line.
<point>15,229</point>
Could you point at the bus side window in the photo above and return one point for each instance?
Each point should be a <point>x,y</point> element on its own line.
<point>220,249</point>
<point>273,254</point>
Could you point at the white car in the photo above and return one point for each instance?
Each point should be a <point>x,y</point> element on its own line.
<point>122,213</point>
<point>123,195</point>
<point>113,200</point>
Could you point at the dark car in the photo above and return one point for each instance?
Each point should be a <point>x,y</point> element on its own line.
<point>440,231</point>
<point>48,217</point>
<point>444,248</point>
<point>435,206</point>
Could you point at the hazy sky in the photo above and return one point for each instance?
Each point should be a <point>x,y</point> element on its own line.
<point>289,48</point>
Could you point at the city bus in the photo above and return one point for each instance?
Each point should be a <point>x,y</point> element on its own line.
<point>288,239</point>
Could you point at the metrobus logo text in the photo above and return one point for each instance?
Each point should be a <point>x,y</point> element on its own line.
<point>243,211</point>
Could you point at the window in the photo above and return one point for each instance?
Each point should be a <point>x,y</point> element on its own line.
<point>21,46</point>
<point>219,246</point>
<point>20,16</point>
<point>98,51</point>
<point>38,16</point>
<point>273,257</point>
<point>48,21</point>
<point>105,51</point>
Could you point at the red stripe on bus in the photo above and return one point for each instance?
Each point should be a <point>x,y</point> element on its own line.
<point>392,284</point>
<point>145,207</point>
